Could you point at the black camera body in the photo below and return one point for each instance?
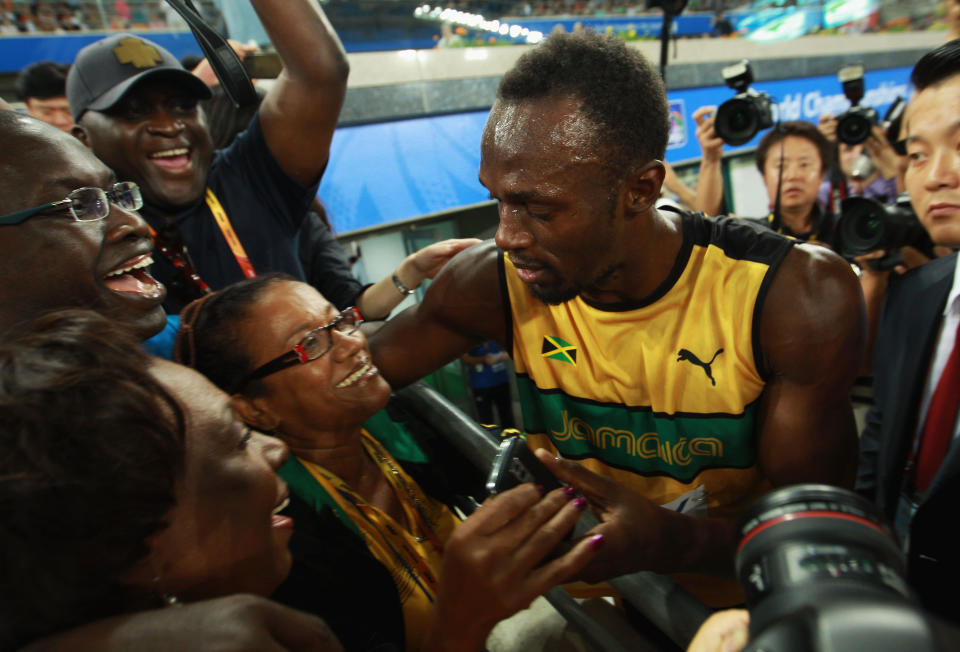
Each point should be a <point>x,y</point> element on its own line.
<point>854,126</point>
<point>741,117</point>
<point>866,225</point>
<point>822,572</point>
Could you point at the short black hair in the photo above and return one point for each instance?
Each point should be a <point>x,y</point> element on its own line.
<point>92,446</point>
<point>209,335</point>
<point>43,79</point>
<point>937,65</point>
<point>801,129</point>
<point>620,91</point>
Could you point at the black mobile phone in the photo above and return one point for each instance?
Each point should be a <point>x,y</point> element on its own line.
<point>515,464</point>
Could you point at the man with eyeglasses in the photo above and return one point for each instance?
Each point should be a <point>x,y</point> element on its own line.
<point>71,234</point>
<point>70,237</point>
<point>219,217</point>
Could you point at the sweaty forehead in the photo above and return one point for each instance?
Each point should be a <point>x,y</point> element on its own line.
<point>550,123</point>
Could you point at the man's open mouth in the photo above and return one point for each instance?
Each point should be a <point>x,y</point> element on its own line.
<point>171,159</point>
<point>131,277</point>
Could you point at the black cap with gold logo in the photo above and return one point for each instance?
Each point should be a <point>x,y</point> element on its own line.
<point>104,71</point>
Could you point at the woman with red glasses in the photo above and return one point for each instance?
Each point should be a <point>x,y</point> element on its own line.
<point>300,370</point>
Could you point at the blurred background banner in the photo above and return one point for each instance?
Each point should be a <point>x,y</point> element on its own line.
<point>392,171</point>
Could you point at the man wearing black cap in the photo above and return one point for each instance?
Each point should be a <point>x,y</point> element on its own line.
<point>218,216</point>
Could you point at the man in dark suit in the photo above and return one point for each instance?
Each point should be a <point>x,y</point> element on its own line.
<point>909,460</point>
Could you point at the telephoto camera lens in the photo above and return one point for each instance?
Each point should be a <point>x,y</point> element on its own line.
<point>821,571</point>
<point>866,225</point>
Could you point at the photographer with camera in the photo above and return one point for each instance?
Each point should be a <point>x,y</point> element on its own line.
<point>909,465</point>
<point>793,160</point>
<point>876,228</point>
<point>708,195</point>
<point>866,165</point>
<point>735,122</point>
<point>869,169</point>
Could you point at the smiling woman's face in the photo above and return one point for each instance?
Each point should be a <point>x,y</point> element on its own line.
<point>224,536</point>
<point>340,389</point>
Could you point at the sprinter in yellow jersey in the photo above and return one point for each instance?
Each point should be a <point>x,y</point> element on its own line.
<point>689,364</point>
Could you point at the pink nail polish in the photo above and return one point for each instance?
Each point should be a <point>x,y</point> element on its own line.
<point>569,491</point>
<point>597,542</point>
<point>540,489</point>
<point>580,503</point>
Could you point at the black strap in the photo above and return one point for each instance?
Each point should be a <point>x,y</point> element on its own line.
<point>224,61</point>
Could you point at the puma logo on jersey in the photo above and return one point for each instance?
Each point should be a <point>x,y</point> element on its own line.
<point>684,354</point>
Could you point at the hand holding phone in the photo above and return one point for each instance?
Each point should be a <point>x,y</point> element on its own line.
<point>515,464</point>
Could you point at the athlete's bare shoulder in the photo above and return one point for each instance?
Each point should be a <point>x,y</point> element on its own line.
<point>814,305</point>
<point>468,289</point>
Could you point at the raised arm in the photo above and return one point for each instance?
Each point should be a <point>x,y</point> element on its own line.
<point>461,308</point>
<point>299,113</point>
<point>385,295</point>
<point>709,198</point>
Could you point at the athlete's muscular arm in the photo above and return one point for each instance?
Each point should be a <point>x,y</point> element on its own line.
<point>299,113</point>
<point>813,330</point>
<point>462,308</point>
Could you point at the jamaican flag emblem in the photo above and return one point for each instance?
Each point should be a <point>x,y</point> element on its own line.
<point>556,349</point>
